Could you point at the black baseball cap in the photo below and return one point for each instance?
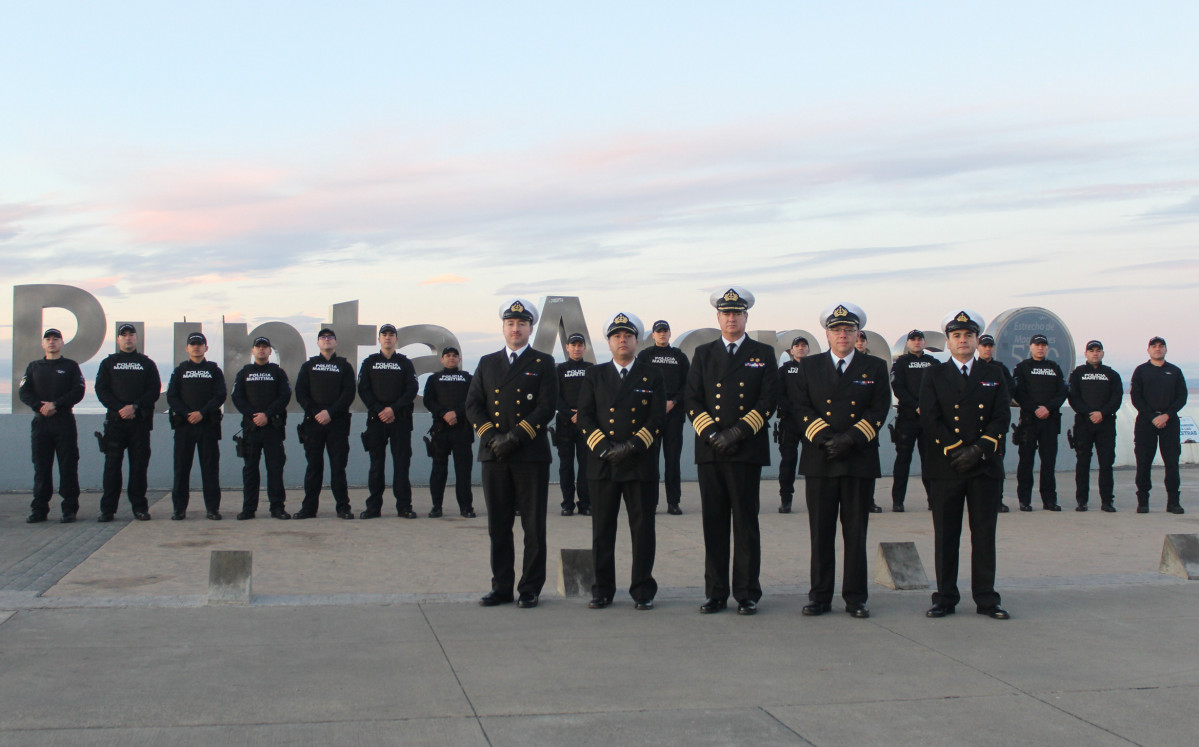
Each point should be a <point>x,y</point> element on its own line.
<point>575,337</point>
<point>661,326</point>
<point>385,329</point>
<point>798,340</point>
<point>861,334</point>
<point>1153,341</point>
<point>262,341</point>
<point>52,332</point>
<point>1094,344</point>
<point>197,338</point>
<point>450,349</point>
<point>987,340</point>
<point>326,332</point>
<point>126,328</point>
<point>1039,340</point>
<point>915,335</point>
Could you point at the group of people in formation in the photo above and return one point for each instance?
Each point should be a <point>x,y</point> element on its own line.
<point>611,422</point>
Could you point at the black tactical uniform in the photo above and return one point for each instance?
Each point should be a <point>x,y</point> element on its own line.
<point>197,387</point>
<point>388,382</point>
<point>325,384</point>
<point>127,379</point>
<point>265,389</point>
<point>1158,390</point>
<point>1038,383</point>
<point>674,366</point>
<point>1095,389</point>
<point>569,440</point>
<point>445,391</point>
<point>59,381</point>
<point>907,372</point>
<point>789,434</point>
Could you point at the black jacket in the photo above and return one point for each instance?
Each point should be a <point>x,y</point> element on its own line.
<point>197,387</point>
<point>674,366</point>
<point>906,374</point>
<point>1158,390</point>
<point>570,383</point>
<point>956,412</point>
<point>1094,388</point>
<point>827,403</point>
<point>1039,383</point>
<point>741,393</point>
<point>787,420</point>
<point>325,384</point>
<point>128,379</point>
<point>445,391</point>
<point>515,398</point>
<point>612,411</point>
<point>59,381</point>
<point>388,382</point>
<point>262,389</point>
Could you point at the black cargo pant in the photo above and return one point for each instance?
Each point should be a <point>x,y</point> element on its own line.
<point>55,437</point>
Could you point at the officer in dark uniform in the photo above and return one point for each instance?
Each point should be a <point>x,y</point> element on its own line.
<point>195,394</point>
<point>787,430</point>
<point>1095,393</point>
<point>906,374</point>
<point>732,390</point>
<point>261,393</point>
<point>511,401</point>
<point>387,386</point>
<point>325,389</point>
<point>567,437</point>
<point>674,366</point>
<point>1159,392</point>
<point>621,408</point>
<point>450,434</point>
<point>128,385</point>
<point>841,400</point>
<point>986,352</point>
<point>964,406</point>
<point>1040,392</point>
<point>51,387</point>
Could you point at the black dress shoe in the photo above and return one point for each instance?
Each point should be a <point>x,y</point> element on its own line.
<point>345,513</point>
<point>280,515</point>
<point>67,519</point>
<point>996,612</point>
<point>568,512</point>
<point>1052,507</point>
<point>141,515</point>
<point>364,515</point>
<point>245,515</point>
<point>492,598</point>
<point>179,516</point>
<point>647,604</point>
<point>527,601</point>
<point>435,513</point>
<point>785,508</point>
<point>1025,506</point>
<point>939,610</point>
<point>1081,507</point>
<point>584,511</point>
<point>712,605</point>
<point>897,508</point>
<point>468,514</point>
<point>35,518</point>
<point>407,513</point>
<point>815,609</point>
<point>213,515</point>
<point>1176,509</point>
<point>1108,508</point>
<point>598,603</point>
<point>861,611</point>
<point>748,607</point>
<point>876,509</point>
<point>104,517</point>
<point>1142,509</point>
<point>1003,509</point>
<point>301,514</point>
<point>674,510</point>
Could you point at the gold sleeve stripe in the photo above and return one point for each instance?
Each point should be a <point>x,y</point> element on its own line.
<point>755,420</point>
<point>483,429</point>
<point>528,428</point>
<point>866,429</point>
<point>594,439</point>
<point>702,421</point>
<point>817,425</point>
<point>994,441</point>
<point>646,437</point>
<point>952,446</point>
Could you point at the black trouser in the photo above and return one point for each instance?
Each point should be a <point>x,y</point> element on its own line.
<point>980,495</point>
<point>672,449</point>
<point>1146,439</point>
<point>1102,439</point>
<point>204,437</point>
<point>455,442</point>
<point>788,462</point>
<point>909,437</point>
<point>53,438</point>
<point>605,507</point>
<point>507,487</point>
<point>572,448</point>
<point>730,489</point>
<point>379,435</point>
<point>826,498</point>
<point>1040,439</point>
<point>333,439</point>
<point>266,441</point>
<point>121,436</point>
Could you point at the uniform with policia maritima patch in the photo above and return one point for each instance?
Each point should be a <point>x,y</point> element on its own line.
<point>262,388</point>
<point>388,382</point>
<point>325,383</point>
<point>907,372</point>
<point>127,379</point>
<point>59,382</point>
<point>789,433</point>
<point>568,438</point>
<point>511,401</point>
<point>730,397</point>
<point>1095,389</point>
<point>674,366</point>
<point>1039,383</point>
<point>197,387</point>
<point>621,409</point>
<point>445,392</point>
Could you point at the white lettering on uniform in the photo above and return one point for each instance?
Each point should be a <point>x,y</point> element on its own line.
<point>1043,372</point>
<point>387,366</point>
<point>574,373</point>
<point>1095,377</point>
<point>260,377</point>
<point>658,359</point>
<point>453,377</point>
<point>327,367</point>
<point>197,373</point>
<point>129,366</point>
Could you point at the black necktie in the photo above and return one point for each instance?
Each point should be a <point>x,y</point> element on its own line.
<point>840,366</point>
<point>512,358</point>
<point>965,372</point>
<point>623,371</point>
<point>732,350</point>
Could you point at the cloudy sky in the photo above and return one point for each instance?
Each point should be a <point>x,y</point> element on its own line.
<point>265,160</point>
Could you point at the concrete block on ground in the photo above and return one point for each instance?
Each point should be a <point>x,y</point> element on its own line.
<point>576,573</point>
<point>1180,556</point>
<point>898,566</point>
<point>229,577</point>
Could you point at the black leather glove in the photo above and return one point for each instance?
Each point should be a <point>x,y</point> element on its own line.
<point>838,446</point>
<point>966,458</point>
<point>618,453</point>
<point>504,445</point>
<point>725,443</point>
